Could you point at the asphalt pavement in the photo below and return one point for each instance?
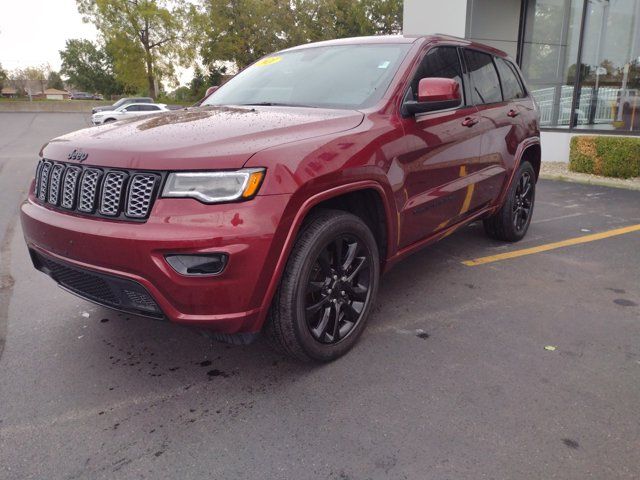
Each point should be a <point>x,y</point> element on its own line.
<point>451,380</point>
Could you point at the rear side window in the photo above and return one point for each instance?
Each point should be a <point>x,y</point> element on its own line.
<point>442,62</point>
<point>511,87</point>
<point>484,78</point>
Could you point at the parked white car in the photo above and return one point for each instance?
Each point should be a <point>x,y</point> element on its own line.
<point>127,111</point>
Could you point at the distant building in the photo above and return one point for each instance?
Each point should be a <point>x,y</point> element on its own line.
<point>9,92</point>
<point>55,94</point>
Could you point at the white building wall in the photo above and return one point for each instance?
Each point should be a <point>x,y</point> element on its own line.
<point>422,17</point>
<point>495,23</point>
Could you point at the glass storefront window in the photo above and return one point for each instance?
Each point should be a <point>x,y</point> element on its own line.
<point>608,64</point>
<point>549,54</point>
<point>610,83</point>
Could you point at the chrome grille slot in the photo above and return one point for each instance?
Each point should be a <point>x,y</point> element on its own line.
<point>54,184</point>
<point>88,189</point>
<point>70,187</point>
<point>36,185</point>
<point>101,192</point>
<point>111,197</point>
<point>44,181</point>
<point>141,189</point>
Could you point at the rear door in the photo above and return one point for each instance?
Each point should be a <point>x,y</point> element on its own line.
<point>440,147</point>
<point>499,124</point>
<point>521,108</point>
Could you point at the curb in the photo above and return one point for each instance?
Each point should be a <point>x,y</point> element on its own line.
<point>589,181</point>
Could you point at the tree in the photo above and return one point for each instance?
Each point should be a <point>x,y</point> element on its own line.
<point>54,80</point>
<point>242,31</point>
<point>36,77</point>
<point>88,67</point>
<point>3,76</point>
<point>29,80</point>
<point>198,85</point>
<point>141,32</point>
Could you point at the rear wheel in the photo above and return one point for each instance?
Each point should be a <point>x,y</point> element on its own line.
<point>512,221</point>
<point>327,289</point>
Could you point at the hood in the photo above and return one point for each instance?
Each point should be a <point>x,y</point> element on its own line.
<point>198,138</point>
<point>106,108</point>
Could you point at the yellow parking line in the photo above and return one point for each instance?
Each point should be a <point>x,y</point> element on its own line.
<point>552,246</point>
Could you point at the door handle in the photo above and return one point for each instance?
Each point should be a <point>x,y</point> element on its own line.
<point>469,122</point>
<point>513,113</point>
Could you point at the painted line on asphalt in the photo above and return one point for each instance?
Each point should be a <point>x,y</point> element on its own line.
<point>552,246</point>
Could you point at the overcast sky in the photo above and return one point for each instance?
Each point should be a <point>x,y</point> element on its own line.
<point>32,32</point>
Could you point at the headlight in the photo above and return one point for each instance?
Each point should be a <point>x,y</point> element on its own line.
<point>214,187</point>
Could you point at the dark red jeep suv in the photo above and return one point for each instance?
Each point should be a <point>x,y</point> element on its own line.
<point>277,204</point>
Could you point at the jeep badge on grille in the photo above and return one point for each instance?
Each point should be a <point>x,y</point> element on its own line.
<point>78,155</point>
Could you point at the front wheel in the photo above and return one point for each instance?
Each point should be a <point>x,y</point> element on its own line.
<point>512,221</point>
<point>327,289</point>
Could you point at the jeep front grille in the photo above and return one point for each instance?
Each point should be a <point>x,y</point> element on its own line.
<point>140,194</point>
<point>102,192</point>
<point>70,185</point>
<point>55,182</point>
<point>88,190</point>
<point>111,197</point>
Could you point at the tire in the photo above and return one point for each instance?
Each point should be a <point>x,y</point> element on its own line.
<point>109,120</point>
<point>511,222</point>
<point>315,286</point>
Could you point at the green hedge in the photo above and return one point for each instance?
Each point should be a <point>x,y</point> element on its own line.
<point>607,156</point>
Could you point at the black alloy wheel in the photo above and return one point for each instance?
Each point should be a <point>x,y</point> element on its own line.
<point>338,289</point>
<point>523,202</point>
<point>328,288</point>
<point>512,221</point>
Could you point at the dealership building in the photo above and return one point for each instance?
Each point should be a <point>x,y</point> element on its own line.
<point>580,58</point>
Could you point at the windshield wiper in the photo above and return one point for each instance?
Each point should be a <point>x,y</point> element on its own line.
<point>276,104</point>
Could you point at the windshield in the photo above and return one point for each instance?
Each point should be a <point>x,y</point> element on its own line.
<point>339,76</point>
<point>120,102</point>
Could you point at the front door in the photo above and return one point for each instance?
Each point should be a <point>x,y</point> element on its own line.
<point>440,150</point>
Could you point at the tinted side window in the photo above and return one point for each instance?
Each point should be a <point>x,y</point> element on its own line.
<point>511,87</point>
<point>132,108</point>
<point>148,108</point>
<point>442,62</point>
<point>484,78</point>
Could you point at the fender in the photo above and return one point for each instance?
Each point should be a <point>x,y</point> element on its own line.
<point>295,228</point>
<point>526,143</point>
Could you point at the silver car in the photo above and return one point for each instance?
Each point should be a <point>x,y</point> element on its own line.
<point>127,111</point>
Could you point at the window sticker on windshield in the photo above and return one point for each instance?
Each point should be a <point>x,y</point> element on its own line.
<point>268,61</point>
<point>384,64</point>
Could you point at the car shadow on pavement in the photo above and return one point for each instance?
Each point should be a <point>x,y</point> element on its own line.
<point>124,356</point>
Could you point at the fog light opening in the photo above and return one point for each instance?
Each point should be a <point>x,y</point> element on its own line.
<point>198,264</point>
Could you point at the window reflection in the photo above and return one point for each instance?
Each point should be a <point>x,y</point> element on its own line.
<point>610,73</point>
<point>550,50</point>
<point>608,97</point>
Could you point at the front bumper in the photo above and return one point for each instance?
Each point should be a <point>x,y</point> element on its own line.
<point>250,233</point>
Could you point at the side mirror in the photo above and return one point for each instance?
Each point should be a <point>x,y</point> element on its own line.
<point>434,94</point>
